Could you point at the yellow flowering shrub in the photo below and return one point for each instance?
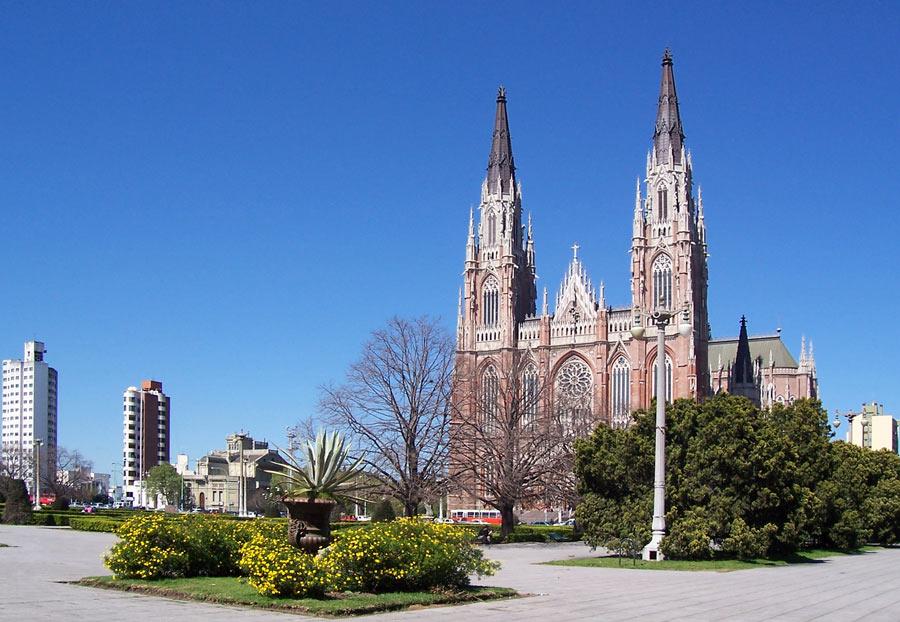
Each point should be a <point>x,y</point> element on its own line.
<point>403,555</point>
<point>275,568</point>
<point>148,549</point>
<point>154,546</point>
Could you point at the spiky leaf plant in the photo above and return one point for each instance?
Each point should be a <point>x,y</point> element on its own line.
<point>324,475</point>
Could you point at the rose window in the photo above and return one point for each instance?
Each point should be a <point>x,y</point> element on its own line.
<point>573,381</point>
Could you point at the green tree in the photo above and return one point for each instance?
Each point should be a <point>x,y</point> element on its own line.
<point>748,482</point>
<point>164,480</point>
<point>383,512</point>
<point>17,510</point>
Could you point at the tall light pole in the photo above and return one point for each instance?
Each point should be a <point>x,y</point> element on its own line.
<point>660,317</point>
<point>37,473</point>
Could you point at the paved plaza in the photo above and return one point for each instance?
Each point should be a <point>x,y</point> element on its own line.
<point>856,587</point>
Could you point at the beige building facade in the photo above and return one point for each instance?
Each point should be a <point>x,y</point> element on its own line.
<point>215,483</point>
<point>873,429</point>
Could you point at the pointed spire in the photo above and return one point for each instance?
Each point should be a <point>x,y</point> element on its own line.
<point>638,211</point>
<point>544,308</point>
<point>529,244</point>
<point>501,174</point>
<point>743,363</point>
<point>602,295</point>
<point>668,137</point>
<point>470,240</point>
<point>802,350</point>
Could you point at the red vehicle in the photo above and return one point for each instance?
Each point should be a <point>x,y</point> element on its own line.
<point>491,517</point>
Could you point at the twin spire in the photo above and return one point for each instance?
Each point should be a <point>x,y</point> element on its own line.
<point>668,137</point>
<point>501,170</point>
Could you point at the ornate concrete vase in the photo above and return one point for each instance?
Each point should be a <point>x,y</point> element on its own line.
<point>310,523</point>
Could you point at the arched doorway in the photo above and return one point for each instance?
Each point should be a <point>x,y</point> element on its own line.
<point>202,500</point>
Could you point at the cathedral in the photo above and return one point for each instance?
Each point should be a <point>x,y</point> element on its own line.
<point>583,347</point>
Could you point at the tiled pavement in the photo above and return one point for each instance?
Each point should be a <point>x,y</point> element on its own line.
<point>858,587</point>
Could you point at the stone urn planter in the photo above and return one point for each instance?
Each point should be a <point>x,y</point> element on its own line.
<point>310,523</point>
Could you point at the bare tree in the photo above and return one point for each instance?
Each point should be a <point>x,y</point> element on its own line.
<point>512,439</point>
<point>395,406</point>
<point>16,463</point>
<point>71,477</point>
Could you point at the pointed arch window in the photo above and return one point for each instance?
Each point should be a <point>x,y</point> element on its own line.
<point>662,198</point>
<point>492,228</point>
<point>620,393</point>
<point>574,395</point>
<point>662,282</point>
<point>668,379</point>
<point>490,392</point>
<point>529,396</point>
<point>490,308</point>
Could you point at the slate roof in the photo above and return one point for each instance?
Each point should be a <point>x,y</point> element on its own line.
<point>760,347</point>
<point>668,132</point>
<point>501,170</point>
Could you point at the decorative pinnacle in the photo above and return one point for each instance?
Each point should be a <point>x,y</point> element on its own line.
<point>667,57</point>
<point>501,94</point>
<point>575,248</point>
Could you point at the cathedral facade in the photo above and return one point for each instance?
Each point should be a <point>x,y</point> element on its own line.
<point>583,349</point>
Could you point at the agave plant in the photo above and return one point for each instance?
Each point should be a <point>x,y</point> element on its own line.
<point>323,475</point>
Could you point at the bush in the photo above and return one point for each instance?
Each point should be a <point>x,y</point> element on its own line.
<point>17,510</point>
<point>275,568</point>
<point>746,543</point>
<point>94,524</point>
<point>150,548</point>
<point>688,537</point>
<point>60,503</point>
<point>404,555</point>
<point>383,512</point>
<point>154,546</point>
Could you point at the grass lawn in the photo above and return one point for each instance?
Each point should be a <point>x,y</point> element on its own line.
<point>811,556</point>
<point>235,591</point>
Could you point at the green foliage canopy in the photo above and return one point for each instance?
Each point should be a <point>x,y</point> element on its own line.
<point>740,482</point>
<point>164,480</point>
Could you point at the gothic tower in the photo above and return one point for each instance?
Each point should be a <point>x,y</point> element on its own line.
<point>668,247</point>
<point>499,279</point>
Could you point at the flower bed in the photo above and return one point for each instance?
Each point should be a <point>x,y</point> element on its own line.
<point>401,556</point>
<point>154,546</point>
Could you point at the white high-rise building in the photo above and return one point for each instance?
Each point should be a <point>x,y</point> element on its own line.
<point>145,441</point>
<point>29,413</point>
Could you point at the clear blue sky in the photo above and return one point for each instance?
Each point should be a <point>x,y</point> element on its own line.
<point>229,197</point>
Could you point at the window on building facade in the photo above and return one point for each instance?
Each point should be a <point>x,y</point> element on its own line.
<point>529,395</point>
<point>668,379</point>
<point>574,394</point>
<point>662,196</point>
<point>492,229</point>
<point>490,294</point>
<point>662,282</point>
<point>490,392</point>
<point>620,393</point>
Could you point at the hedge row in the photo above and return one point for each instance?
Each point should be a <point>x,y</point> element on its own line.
<point>95,524</point>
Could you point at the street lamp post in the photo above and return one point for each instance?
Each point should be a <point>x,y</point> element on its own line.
<point>661,317</point>
<point>37,473</point>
